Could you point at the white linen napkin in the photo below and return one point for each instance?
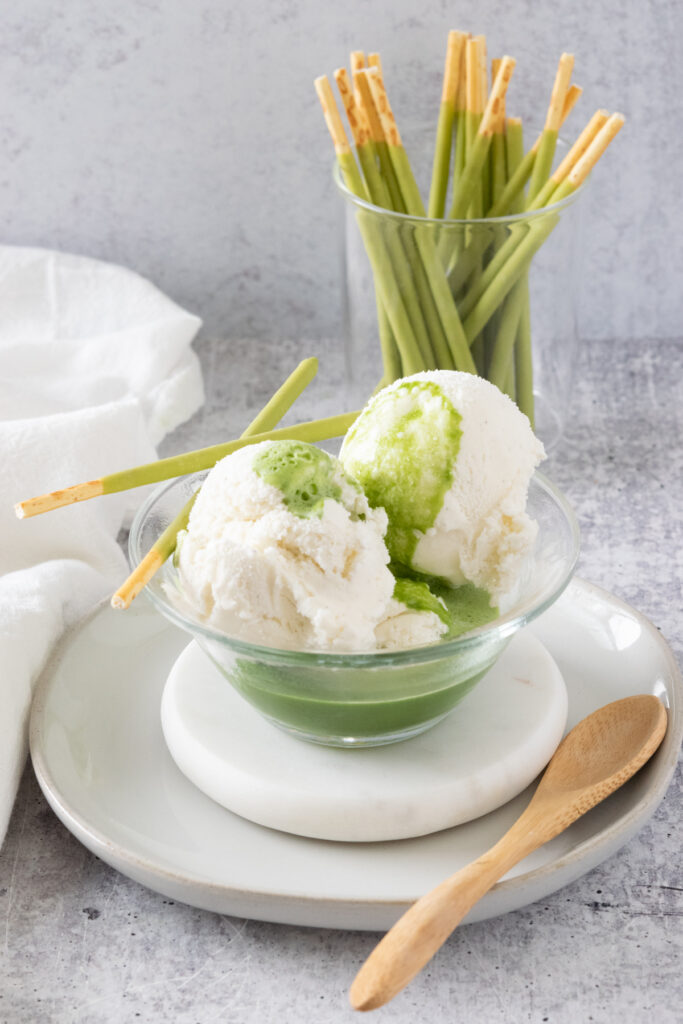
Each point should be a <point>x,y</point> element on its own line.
<point>95,368</point>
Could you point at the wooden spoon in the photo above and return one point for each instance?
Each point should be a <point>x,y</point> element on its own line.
<point>594,759</point>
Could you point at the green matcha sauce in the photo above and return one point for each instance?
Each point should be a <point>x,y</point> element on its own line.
<point>305,476</point>
<point>412,465</point>
<point>467,606</point>
<point>417,596</point>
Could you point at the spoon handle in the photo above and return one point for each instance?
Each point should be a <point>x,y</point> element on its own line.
<point>581,773</point>
<point>426,925</point>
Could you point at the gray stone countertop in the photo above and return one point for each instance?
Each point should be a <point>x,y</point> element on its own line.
<point>80,942</point>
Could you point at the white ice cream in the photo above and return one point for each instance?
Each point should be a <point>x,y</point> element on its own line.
<point>450,457</point>
<point>253,568</point>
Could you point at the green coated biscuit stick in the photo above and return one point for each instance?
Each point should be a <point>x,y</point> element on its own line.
<point>442,161</point>
<point>180,465</point>
<point>523,361</point>
<point>438,283</point>
<point>379,194</point>
<point>362,86</point>
<point>508,201</point>
<point>543,164</point>
<point>434,346</point>
<point>505,344</point>
<point>383,271</point>
<point>478,151</point>
<point>165,544</point>
<point>497,155</point>
<point>498,169</point>
<point>514,187</point>
<point>206,458</point>
<point>551,188</point>
<point>514,267</point>
<point>385,191</point>
<point>546,150</point>
<point>391,357</point>
<point>460,154</point>
<point>400,259</point>
<point>517,233</point>
<point>444,132</point>
<point>501,356</point>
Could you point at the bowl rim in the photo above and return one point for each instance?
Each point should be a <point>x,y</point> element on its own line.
<point>499,629</point>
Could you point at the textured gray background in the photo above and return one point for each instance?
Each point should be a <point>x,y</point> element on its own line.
<point>185,141</point>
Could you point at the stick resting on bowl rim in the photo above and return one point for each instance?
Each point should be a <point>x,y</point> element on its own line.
<point>165,545</point>
<point>180,465</point>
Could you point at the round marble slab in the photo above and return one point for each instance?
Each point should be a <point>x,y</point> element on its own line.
<point>486,752</point>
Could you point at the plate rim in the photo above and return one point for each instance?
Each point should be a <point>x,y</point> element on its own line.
<point>97,840</point>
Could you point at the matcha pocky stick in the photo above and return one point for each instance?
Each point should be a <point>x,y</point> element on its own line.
<point>546,147</point>
<point>444,129</point>
<point>367,155</point>
<point>364,100</point>
<point>267,419</point>
<point>517,181</point>
<point>431,318</point>
<point>478,152</point>
<point>483,199</point>
<point>439,351</point>
<point>519,252</point>
<point>497,164</point>
<point>515,256</point>
<point>375,246</point>
<point>460,151</point>
<point>598,120</point>
<point>466,256</point>
<point>511,355</point>
<point>472,184</point>
<point>378,192</point>
<point>180,465</point>
<point>497,156</point>
<point>438,283</point>
<point>553,194</point>
<point>585,164</point>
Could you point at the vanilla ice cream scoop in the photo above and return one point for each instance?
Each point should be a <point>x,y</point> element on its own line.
<point>449,457</point>
<point>283,549</point>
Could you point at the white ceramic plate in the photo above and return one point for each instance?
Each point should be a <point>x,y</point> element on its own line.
<point>101,761</point>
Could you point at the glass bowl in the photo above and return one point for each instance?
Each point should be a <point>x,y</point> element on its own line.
<point>366,699</point>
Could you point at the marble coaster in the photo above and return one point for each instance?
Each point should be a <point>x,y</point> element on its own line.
<point>484,753</point>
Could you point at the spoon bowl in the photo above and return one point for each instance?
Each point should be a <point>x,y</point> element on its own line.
<point>594,759</point>
<point>605,749</point>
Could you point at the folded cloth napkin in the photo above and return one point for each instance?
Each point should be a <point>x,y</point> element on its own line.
<point>95,368</point>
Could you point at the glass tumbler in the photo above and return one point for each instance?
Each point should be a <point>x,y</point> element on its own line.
<point>497,295</point>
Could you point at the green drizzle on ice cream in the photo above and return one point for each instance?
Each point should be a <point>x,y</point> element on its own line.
<point>461,608</point>
<point>402,450</point>
<point>468,607</point>
<point>306,476</point>
<point>417,596</point>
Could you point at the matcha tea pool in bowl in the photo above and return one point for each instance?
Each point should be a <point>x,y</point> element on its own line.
<point>356,601</point>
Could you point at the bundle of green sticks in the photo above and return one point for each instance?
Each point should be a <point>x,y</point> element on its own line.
<point>452,286</point>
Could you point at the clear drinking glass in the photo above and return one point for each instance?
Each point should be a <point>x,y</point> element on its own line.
<point>528,343</point>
